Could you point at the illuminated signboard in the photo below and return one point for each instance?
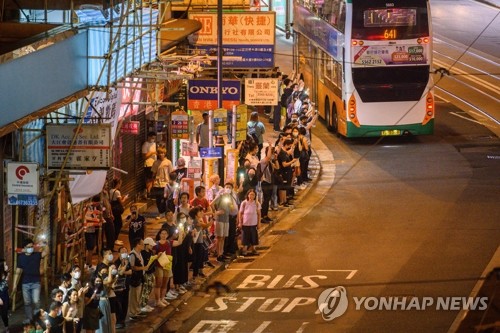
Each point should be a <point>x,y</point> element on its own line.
<point>248,37</point>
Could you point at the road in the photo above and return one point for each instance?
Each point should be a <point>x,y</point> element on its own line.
<point>467,45</point>
<point>403,218</point>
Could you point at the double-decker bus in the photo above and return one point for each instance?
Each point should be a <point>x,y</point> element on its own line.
<point>367,64</point>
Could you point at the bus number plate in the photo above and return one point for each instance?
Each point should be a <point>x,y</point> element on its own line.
<point>390,132</point>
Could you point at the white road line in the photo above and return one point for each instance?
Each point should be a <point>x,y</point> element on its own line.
<point>479,115</point>
<point>219,326</point>
<point>476,80</point>
<point>249,269</point>
<point>441,97</point>
<point>262,327</point>
<point>302,327</point>
<point>467,118</point>
<point>351,274</point>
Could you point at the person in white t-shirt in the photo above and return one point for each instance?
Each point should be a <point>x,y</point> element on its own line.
<point>149,155</point>
<point>161,169</point>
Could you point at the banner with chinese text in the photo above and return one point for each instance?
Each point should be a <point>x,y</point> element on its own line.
<point>248,36</point>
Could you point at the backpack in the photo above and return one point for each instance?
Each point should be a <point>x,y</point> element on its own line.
<point>253,133</point>
<point>259,172</point>
<point>169,202</point>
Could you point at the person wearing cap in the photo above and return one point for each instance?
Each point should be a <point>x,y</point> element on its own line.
<point>202,134</point>
<point>149,275</point>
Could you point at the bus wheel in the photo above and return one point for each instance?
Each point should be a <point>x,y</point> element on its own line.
<point>335,120</point>
<point>328,116</point>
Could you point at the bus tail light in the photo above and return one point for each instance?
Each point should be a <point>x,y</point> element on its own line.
<point>424,40</point>
<point>351,111</point>
<point>429,108</point>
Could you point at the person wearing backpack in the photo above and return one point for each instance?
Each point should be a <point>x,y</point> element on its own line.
<point>264,176</point>
<point>256,129</point>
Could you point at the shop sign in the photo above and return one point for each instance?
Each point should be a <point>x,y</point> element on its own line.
<point>220,121</point>
<point>261,91</point>
<point>241,122</point>
<point>91,148</point>
<point>246,28</point>
<point>202,94</point>
<point>189,149</point>
<point>248,37</point>
<point>23,183</point>
<point>232,164</point>
<point>194,169</point>
<point>180,125</point>
<point>131,127</point>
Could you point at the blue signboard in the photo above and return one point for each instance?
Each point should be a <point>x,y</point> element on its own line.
<point>252,56</point>
<point>319,31</point>
<point>23,200</point>
<point>215,152</point>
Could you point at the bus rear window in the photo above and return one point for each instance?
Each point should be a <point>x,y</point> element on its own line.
<point>390,84</point>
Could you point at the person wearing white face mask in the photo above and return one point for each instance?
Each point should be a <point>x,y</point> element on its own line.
<point>107,269</point>
<point>28,265</point>
<point>76,275</point>
<point>121,287</point>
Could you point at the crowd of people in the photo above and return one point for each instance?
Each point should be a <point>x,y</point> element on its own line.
<point>222,220</point>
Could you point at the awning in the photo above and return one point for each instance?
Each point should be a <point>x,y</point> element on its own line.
<point>175,31</point>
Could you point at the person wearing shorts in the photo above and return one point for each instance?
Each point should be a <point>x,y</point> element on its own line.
<point>225,206</point>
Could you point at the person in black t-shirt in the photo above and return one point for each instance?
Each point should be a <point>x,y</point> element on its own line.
<point>286,162</point>
<point>28,265</point>
<point>91,312</point>
<point>137,224</point>
<point>55,321</point>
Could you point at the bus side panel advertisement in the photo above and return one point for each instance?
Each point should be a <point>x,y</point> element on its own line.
<point>386,55</point>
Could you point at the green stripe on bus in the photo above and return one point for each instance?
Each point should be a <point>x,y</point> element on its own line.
<point>374,131</point>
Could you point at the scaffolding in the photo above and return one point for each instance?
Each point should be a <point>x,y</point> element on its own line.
<point>124,44</point>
